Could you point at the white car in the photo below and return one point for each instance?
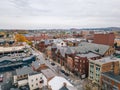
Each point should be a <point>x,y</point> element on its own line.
<point>1,78</point>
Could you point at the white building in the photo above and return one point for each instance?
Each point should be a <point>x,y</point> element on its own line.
<point>26,76</point>
<point>36,81</point>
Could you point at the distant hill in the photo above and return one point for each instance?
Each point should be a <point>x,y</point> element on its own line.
<point>105,29</point>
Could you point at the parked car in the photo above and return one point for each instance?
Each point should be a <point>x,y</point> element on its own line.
<point>62,71</point>
<point>67,74</point>
<point>53,64</point>
<point>1,78</point>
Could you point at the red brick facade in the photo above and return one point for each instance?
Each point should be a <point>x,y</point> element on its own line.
<point>106,39</point>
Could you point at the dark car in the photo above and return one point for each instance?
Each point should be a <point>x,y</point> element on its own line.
<point>53,64</point>
<point>62,71</point>
<point>67,74</point>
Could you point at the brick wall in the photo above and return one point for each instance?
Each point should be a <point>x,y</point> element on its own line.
<point>106,39</point>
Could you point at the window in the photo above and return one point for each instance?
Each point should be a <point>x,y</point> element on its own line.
<point>41,81</point>
<point>32,80</point>
<point>36,79</point>
<point>36,84</point>
<point>84,61</point>
<point>32,85</point>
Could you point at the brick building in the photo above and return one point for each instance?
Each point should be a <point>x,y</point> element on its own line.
<point>75,59</point>
<point>106,39</point>
<point>81,63</point>
<point>37,37</point>
<point>111,80</point>
<point>97,67</point>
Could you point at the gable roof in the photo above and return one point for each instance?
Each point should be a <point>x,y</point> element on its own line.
<point>96,48</point>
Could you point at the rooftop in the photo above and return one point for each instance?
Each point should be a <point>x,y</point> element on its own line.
<point>48,73</point>
<point>88,55</point>
<point>56,83</point>
<point>96,48</point>
<point>37,64</point>
<point>106,60</point>
<point>8,49</point>
<point>25,70</point>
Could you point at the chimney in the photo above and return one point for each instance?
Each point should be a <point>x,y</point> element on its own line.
<point>116,67</point>
<point>65,84</point>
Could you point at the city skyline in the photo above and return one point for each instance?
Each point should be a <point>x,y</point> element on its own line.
<point>30,14</point>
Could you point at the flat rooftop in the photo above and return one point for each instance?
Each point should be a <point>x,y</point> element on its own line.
<point>106,60</point>
<point>112,76</point>
<point>25,70</point>
<point>48,73</point>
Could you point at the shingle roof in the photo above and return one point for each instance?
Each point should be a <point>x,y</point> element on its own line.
<point>84,47</point>
<point>97,48</point>
<point>70,50</point>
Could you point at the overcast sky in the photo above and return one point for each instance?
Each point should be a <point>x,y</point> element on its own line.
<point>29,14</point>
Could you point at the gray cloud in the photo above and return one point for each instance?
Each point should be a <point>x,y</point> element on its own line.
<point>59,13</point>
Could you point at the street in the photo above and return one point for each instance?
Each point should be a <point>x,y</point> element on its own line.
<point>56,69</point>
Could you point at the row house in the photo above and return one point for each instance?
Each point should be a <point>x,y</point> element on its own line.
<point>81,64</point>
<point>75,59</point>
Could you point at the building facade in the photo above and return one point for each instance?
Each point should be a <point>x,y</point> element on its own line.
<point>97,67</point>
<point>106,39</point>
